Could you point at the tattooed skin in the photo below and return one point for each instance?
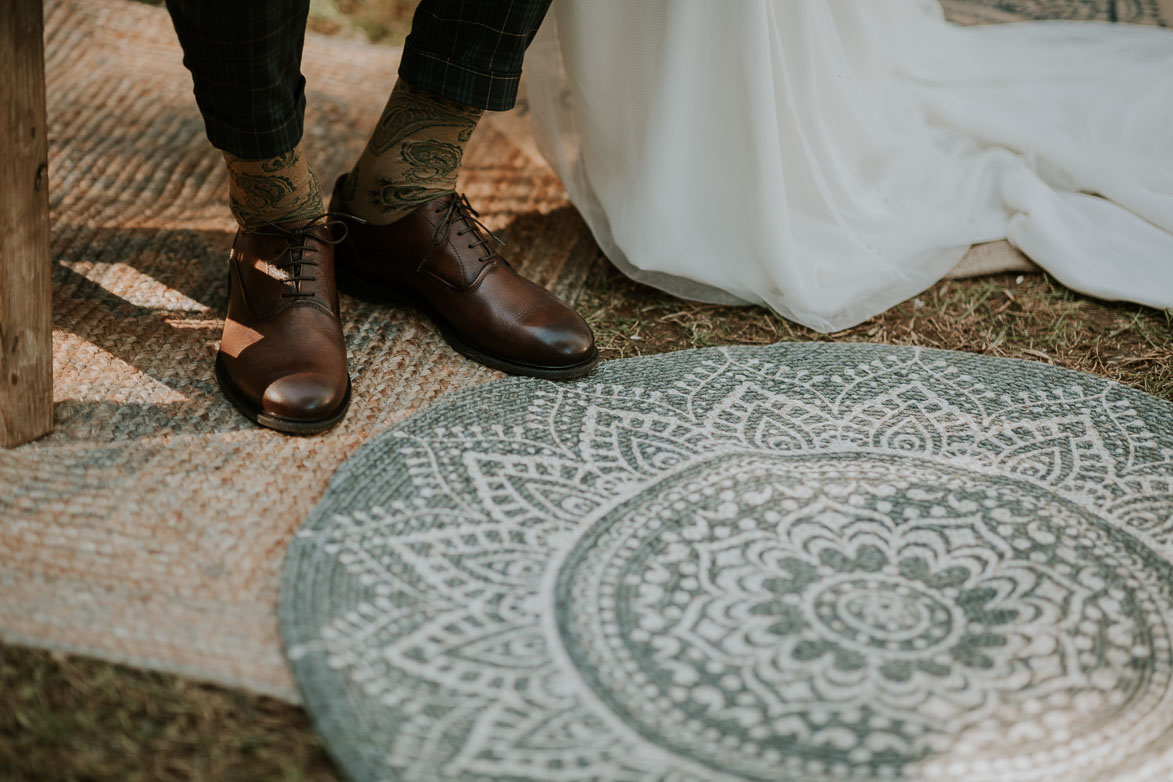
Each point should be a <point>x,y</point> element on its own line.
<point>400,124</point>
<point>413,156</point>
<point>257,191</point>
<point>390,197</point>
<point>431,161</point>
<point>280,189</point>
<point>275,164</point>
<point>412,113</point>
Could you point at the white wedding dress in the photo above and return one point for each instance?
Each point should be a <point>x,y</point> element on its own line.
<point>831,158</point>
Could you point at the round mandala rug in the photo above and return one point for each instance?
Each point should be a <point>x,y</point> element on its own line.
<point>803,562</point>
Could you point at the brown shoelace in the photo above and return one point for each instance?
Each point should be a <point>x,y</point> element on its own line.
<point>460,210</point>
<point>297,243</point>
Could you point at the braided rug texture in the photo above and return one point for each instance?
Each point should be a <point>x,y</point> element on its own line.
<point>149,526</point>
<point>804,562</point>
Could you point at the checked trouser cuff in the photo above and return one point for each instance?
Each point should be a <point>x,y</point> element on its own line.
<point>245,61</point>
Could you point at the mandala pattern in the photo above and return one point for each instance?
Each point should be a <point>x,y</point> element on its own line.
<point>802,562</point>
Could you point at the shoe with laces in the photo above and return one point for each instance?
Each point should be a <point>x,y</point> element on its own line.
<point>443,261</point>
<point>282,359</point>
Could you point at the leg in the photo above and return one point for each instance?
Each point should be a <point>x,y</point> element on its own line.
<point>418,239</point>
<point>460,59</point>
<point>282,358</point>
<point>245,62</point>
<point>471,52</point>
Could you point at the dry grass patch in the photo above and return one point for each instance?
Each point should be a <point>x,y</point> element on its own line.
<point>1026,316</point>
<point>70,719</point>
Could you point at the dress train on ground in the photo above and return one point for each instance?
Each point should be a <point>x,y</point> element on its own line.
<point>831,158</point>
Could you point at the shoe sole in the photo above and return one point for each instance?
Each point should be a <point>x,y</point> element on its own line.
<point>367,290</point>
<point>276,422</point>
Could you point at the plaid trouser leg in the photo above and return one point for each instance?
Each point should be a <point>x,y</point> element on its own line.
<point>470,51</point>
<point>245,60</point>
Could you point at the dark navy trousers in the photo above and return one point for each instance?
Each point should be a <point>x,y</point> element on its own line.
<point>245,61</point>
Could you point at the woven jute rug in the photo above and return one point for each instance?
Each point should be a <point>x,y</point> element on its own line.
<point>149,527</point>
<point>799,562</point>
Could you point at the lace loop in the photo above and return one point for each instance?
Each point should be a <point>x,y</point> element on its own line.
<point>297,243</point>
<point>459,209</point>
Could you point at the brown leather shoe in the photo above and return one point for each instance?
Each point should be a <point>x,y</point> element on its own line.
<point>282,360</point>
<point>440,260</point>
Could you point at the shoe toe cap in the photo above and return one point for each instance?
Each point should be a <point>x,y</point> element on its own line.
<point>567,343</point>
<point>304,396</point>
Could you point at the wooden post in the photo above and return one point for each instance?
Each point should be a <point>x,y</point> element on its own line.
<point>26,308</point>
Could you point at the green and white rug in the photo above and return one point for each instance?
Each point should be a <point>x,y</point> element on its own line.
<point>801,562</point>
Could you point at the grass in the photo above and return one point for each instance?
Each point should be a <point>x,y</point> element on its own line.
<point>72,719</point>
<point>1020,316</point>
